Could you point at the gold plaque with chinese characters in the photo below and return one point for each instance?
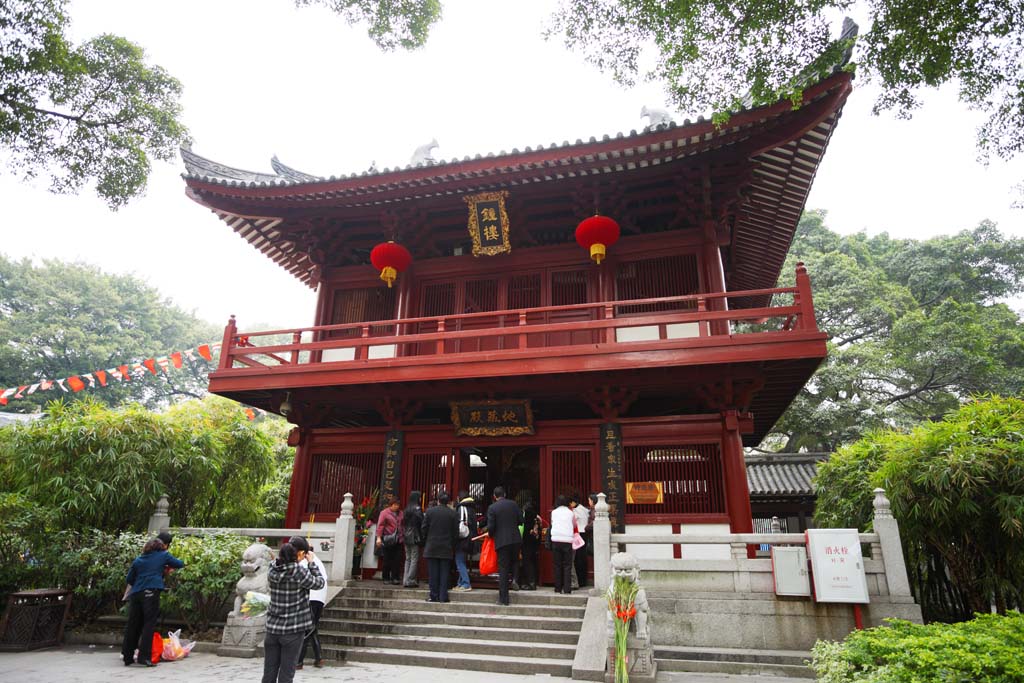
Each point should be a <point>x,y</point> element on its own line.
<point>492,418</point>
<point>488,223</point>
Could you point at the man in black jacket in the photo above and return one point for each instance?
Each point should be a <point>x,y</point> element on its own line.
<point>503,520</point>
<point>440,534</point>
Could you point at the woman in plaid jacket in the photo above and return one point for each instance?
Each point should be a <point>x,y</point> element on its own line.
<point>288,617</point>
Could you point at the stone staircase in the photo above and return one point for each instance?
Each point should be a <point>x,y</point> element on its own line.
<point>786,664</point>
<point>536,634</point>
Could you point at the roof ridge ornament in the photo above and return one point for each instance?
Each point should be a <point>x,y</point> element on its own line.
<point>657,118</point>
<point>423,156</point>
<point>289,173</point>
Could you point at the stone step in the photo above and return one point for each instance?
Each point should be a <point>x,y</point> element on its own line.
<point>444,660</point>
<point>440,643</point>
<point>480,605</point>
<point>723,654</point>
<point>543,596</point>
<point>359,627</point>
<point>497,617</point>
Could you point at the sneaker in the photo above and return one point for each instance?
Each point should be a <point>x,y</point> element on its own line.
<point>466,589</point>
<point>456,589</point>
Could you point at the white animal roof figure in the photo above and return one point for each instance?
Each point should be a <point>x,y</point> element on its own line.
<point>423,155</point>
<point>656,117</point>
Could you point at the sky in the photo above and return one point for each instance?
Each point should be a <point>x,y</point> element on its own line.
<point>262,77</point>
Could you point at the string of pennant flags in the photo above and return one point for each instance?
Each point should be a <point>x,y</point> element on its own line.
<point>120,373</point>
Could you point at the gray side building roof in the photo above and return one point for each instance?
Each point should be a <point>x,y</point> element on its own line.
<point>784,474</point>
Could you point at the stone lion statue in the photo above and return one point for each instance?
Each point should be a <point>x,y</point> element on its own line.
<point>255,566</point>
<point>628,566</point>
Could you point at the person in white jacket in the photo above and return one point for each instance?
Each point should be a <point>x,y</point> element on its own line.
<point>561,544</point>
<point>317,599</point>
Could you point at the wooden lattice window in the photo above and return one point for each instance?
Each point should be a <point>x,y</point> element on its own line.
<point>651,278</point>
<point>333,475</point>
<point>363,305</point>
<point>690,476</point>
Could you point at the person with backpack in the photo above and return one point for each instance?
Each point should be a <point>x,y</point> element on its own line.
<point>411,523</point>
<point>464,546</point>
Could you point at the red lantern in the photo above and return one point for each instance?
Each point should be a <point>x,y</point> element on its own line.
<point>390,259</point>
<point>596,234</point>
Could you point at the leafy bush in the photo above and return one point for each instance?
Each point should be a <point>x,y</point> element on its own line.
<point>957,490</point>
<point>202,591</point>
<point>986,649</point>
<point>22,528</point>
<point>92,564</point>
<point>104,468</point>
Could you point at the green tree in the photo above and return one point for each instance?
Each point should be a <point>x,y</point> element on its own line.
<point>915,328</point>
<point>390,23</point>
<point>60,319</point>
<point>79,113</point>
<point>106,468</point>
<point>722,55</point>
<point>957,490</point>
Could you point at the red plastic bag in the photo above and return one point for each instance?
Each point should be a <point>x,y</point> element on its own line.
<point>488,558</point>
<point>158,647</point>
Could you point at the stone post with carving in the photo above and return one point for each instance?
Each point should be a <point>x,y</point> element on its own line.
<point>602,546</point>
<point>160,520</point>
<point>888,531</point>
<point>344,542</point>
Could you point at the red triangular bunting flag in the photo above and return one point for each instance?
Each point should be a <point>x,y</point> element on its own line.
<point>21,389</point>
<point>176,359</point>
<point>125,373</point>
<point>3,401</point>
<point>250,414</point>
<point>150,364</point>
<point>8,392</point>
<point>204,351</point>
<point>102,377</point>
<point>76,383</point>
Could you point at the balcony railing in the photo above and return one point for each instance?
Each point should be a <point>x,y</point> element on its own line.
<point>674,321</point>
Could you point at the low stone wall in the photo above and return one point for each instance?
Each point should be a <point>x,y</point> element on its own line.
<point>731,602</point>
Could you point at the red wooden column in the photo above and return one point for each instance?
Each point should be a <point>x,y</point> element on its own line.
<point>714,276</point>
<point>737,494</point>
<point>298,493</point>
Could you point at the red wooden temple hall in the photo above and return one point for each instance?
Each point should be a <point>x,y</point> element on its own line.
<point>503,352</point>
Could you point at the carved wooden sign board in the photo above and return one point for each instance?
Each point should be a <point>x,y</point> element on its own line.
<point>492,418</point>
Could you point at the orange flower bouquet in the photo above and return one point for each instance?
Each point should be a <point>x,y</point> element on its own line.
<point>363,513</point>
<point>622,605</point>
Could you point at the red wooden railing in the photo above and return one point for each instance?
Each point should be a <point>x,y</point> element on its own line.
<point>520,330</point>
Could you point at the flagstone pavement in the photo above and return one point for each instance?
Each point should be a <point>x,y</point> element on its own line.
<point>102,663</point>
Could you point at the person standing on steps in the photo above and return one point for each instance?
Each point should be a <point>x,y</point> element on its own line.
<point>562,519</point>
<point>145,582</point>
<point>503,520</point>
<point>390,540</point>
<point>579,557</point>
<point>317,599</point>
<point>533,529</point>
<point>288,616</point>
<point>464,547</point>
<point>412,523</point>
<point>440,534</point>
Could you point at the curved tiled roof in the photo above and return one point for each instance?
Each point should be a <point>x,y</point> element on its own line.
<point>781,147</point>
<point>782,474</point>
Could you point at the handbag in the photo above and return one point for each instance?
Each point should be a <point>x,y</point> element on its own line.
<point>577,540</point>
<point>463,522</point>
<point>488,557</point>
<point>390,540</point>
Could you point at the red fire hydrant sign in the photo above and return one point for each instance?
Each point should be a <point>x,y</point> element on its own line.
<point>837,566</point>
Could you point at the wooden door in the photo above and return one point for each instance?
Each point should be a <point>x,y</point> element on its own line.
<point>565,470</point>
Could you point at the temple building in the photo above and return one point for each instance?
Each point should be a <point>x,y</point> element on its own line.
<point>597,315</point>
